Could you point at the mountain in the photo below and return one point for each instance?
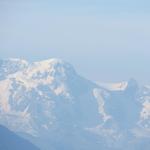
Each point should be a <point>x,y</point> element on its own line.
<point>10,66</point>
<point>11,141</point>
<point>51,105</point>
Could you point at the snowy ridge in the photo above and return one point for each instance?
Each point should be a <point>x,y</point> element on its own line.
<point>114,86</point>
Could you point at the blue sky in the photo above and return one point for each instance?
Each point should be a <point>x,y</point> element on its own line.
<point>106,40</point>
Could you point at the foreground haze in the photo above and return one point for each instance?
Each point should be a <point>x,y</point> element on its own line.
<point>51,105</point>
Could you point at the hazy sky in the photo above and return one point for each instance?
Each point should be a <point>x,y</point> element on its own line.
<point>106,40</point>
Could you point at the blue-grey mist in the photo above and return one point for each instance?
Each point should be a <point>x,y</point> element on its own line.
<point>106,41</point>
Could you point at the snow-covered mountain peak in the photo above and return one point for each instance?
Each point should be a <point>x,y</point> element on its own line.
<point>54,73</point>
<point>33,92</point>
<point>52,61</point>
<point>11,66</point>
<point>49,63</point>
<point>17,60</point>
<point>119,86</point>
<point>53,67</point>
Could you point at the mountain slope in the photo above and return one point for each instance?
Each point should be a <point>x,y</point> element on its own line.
<point>48,103</point>
<point>10,141</point>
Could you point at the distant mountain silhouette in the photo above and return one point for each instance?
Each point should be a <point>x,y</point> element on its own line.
<point>11,141</point>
